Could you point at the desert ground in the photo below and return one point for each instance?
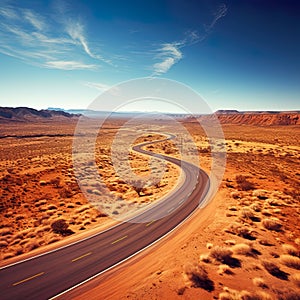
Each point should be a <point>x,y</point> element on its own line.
<point>245,244</point>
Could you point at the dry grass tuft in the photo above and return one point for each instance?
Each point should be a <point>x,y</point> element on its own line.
<point>230,294</point>
<point>290,261</point>
<point>272,224</point>
<point>224,269</point>
<point>230,242</point>
<point>286,294</point>
<point>224,256</point>
<point>8,255</point>
<point>205,258</point>
<point>274,270</point>
<point>259,282</point>
<point>221,253</point>
<point>291,250</point>
<point>198,277</point>
<point>247,213</point>
<point>244,184</point>
<point>242,249</point>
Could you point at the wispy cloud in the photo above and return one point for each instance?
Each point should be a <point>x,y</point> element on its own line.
<point>69,65</point>
<point>171,53</point>
<point>46,41</point>
<point>76,31</point>
<point>97,85</point>
<point>8,13</point>
<point>102,87</point>
<point>34,20</point>
<point>220,13</point>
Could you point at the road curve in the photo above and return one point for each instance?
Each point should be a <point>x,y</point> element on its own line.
<point>50,274</point>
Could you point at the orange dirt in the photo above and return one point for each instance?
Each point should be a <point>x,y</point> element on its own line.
<point>245,243</point>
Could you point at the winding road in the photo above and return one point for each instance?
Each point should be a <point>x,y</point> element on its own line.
<point>50,274</point>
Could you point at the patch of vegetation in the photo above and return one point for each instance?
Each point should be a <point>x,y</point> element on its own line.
<point>243,183</point>
<point>224,256</point>
<point>61,227</point>
<point>198,277</point>
<point>274,270</point>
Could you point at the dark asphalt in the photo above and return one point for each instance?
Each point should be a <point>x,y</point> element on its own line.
<point>52,273</point>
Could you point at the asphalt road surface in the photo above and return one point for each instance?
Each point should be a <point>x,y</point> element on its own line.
<point>50,274</point>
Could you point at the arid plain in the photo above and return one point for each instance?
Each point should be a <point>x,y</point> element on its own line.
<point>245,244</point>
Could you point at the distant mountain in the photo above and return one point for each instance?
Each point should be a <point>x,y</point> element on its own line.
<point>260,118</point>
<point>25,114</point>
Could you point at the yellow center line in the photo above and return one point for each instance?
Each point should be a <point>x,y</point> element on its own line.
<point>120,239</point>
<point>29,278</point>
<point>148,224</point>
<point>82,256</point>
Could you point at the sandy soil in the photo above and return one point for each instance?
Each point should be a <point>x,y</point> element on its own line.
<point>38,187</point>
<point>244,245</point>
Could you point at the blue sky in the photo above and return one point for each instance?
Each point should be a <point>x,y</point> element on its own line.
<point>236,54</point>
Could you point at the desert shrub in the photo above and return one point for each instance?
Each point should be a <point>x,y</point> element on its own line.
<point>3,244</point>
<point>205,258</point>
<point>138,186</point>
<point>261,194</point>
<point>287,295</point>
<point>255,296</point>
<point>245,295</point>
<point>61,227</point>
<point>82,208</point>
<point>242,231</point>
<point>230,294</point>
<point>53,240</point>
<point>181,291</point>
<point>102,215</point>
<point>296,279</point>
<point>224,256</point>
<point>243,183</point>
<point>52,207</point>
<point>274,270</point>
<point>230,242</point>
<point>224,269</point>
<point>55,181</point>
<point>5,231</point>
<point>244,249</point>
<point>65,192</point>
<point>8,255</point>
<point>31,245</point>
<point>266,212</point>
<point>198,277</point>
<point>256,207</point>
<point>275,202</point>
<point>291,250</point>
<point>18,250</point>
<point>247,213</point>
<point>232,208</point>
<point>290,261</point>
<point>246,233</point>
<point>265,242</point>
<point>220,253</point>
<point>272,224</point>
<point>259,282</point>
